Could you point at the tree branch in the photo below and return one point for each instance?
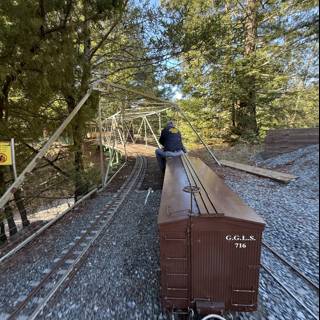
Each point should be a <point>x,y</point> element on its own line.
<point>105,37</point>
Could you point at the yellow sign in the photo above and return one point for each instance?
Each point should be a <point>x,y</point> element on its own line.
<point>5,154</point>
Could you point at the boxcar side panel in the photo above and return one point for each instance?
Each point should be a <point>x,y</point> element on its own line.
<point>225,262</point>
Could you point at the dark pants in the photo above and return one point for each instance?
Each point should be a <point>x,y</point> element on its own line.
<point>162,155</point>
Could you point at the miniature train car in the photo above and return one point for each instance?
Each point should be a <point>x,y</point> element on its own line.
<point>210,242</point>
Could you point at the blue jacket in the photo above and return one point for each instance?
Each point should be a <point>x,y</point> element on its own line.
<point>171,139</point>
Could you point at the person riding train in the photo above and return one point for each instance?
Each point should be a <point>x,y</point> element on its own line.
<point>171,140</point>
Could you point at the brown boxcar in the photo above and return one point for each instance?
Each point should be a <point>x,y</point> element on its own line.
<point>210,242</point>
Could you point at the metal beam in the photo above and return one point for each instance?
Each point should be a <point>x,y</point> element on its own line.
<point>123,132</point>
<point>154,136</point>
<point>17,183</point>
<point>173,105</point>
<point>140,127</point>
<point>145,132</point>
<point>160,123</point>
<point>129,132</point>
<point>198,135</point>
<point>132,116</point>
<point>102,170</point>
<point>118,130</point>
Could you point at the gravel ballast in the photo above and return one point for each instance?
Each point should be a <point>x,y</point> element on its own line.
<point>28,267</point>
<point>291,213</point>
<point>120,279</point>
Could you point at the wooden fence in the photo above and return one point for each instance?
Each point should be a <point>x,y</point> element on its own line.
<point>286,140</point>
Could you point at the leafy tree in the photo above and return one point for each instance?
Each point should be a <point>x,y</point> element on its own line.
<point>242,58</point>
<point>50,54</point>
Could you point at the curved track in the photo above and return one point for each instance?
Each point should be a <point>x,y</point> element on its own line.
<point>54,282</point>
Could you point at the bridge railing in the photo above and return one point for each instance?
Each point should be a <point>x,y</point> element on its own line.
<point>54,172</point>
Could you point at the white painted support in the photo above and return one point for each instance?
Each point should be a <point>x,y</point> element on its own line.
<point>113,176</point>
<point>112,153</point>
<point>124,132</point>
<point>173,105</point>
<point>154,136</point>
<point>145,132</point>
<point>148,114</point>
<point>160,123</point>
<point>13,157</point>
<point>129,132</point>
<point>140,127</point>
<point>117,157</point>
<point>111,156</point>
<point>102,169</point>
<point>114,115</point>
<point>118,130</point>
<point>17,183</point>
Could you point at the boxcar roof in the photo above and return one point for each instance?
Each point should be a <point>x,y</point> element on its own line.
<point>213,199</point>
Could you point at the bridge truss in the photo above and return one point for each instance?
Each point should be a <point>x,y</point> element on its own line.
<point>110,132</point>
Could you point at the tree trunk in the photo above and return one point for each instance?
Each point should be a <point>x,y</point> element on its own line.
<point>79,183</point>
<point>251,26</point>
<point>7,209</point>
<point>18,198</point>
<point>3,237</point>
<point>246,111</point>
<point>10,219</point>
<point>4,97</point>
<point>22,209</point>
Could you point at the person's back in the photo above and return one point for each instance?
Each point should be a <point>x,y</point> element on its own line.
<point>171,138</point>
<point>172,144</point>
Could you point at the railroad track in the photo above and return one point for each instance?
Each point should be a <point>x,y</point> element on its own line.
<point>56,280</point>
<point>294,283</point>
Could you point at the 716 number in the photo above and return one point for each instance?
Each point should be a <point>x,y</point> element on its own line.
<point>240,245</point>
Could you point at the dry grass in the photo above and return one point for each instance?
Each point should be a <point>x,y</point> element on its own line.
<point>242,153</point>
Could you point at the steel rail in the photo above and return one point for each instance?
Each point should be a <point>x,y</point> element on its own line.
<point>57,219</point>
<point>113,206</point>
<point>284,287</point>
<point>75,267</point>
<point>294,268</point>
<point>45,227</point>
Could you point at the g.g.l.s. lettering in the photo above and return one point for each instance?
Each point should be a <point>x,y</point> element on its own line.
<point>237,238</point>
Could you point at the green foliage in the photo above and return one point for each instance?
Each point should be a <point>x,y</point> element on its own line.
<point>246,64</point>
